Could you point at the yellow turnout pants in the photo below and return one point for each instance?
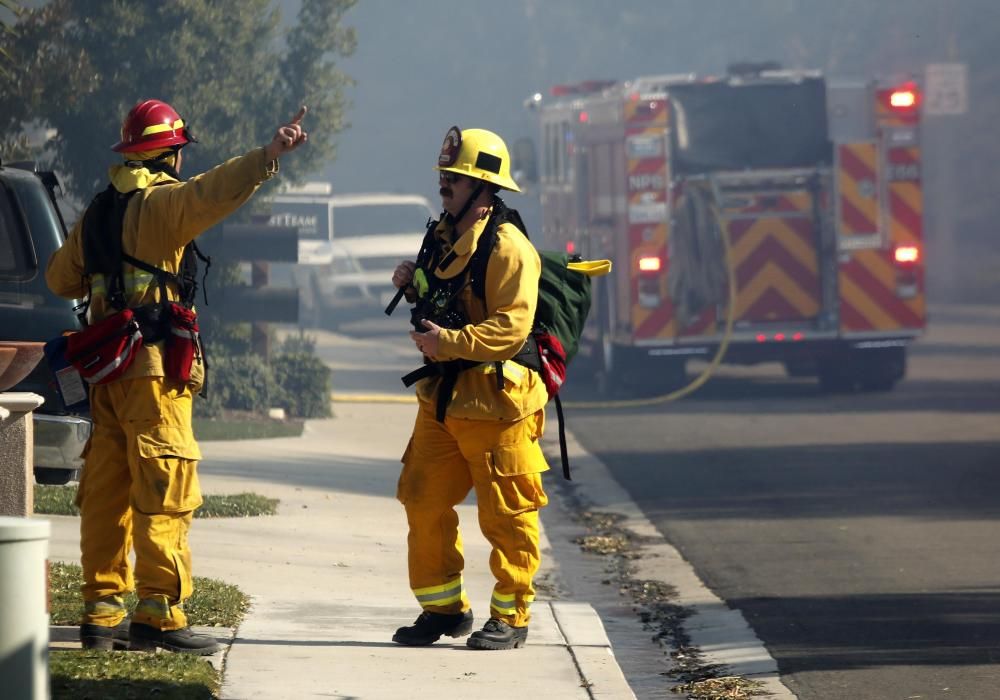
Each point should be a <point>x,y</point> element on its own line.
<point>139,488</point>
<point>504,463</point>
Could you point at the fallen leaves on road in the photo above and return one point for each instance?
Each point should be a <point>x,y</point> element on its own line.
<point>725,688</point>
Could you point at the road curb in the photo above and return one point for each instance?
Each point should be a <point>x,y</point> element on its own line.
<point>588,644</point>
<point>721,633</point>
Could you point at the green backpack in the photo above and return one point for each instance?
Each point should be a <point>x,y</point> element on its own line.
<point>564,297</point>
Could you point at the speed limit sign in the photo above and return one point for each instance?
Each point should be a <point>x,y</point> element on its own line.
<point>947,90</point>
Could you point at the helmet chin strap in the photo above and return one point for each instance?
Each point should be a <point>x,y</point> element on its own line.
<point>453,220</point>
<point>157,164</point>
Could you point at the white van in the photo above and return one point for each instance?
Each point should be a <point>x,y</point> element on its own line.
<point>372,234</point>
<point>349,245</point>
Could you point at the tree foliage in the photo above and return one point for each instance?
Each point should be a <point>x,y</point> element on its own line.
<point>229,69</point>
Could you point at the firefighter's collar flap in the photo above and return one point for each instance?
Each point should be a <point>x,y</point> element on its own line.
<point>463,248</point>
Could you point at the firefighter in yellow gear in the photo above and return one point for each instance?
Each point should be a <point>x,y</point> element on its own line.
<point>482,436</point>
<point>139,485</point>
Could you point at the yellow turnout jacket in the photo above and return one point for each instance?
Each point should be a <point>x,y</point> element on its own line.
<point>161,219</point>
<point>498,328</point>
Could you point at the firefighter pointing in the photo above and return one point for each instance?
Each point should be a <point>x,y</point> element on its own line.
<point>480,415</point>
<point>131,258</point>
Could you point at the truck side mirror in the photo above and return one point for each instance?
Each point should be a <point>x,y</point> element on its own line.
<point>524,162</point>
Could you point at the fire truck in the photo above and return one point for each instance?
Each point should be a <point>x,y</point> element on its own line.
<point>801,192</point>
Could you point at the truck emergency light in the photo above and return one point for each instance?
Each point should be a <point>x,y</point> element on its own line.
<point>907,254</point>
<point>902,99</point>
<point>650,263</point>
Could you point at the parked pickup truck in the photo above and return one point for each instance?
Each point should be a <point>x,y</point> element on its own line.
<point>29,311</point>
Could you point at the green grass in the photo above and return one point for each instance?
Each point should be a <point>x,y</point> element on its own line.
<point>241,505</point>
<point>219,429</point>
<point>55,500</point>
<point>213,604</point>
<point>91,675</point>
<point>122,675</point>
<point>59,500</point>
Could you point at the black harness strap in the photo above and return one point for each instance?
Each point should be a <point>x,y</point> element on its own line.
<point>422,256</point>
<point>448,371</point>
<point>528,356</point>
<point>103,224</point>
<point>563,451</point>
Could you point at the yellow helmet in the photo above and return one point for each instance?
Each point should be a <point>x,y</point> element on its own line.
<point>479,154</point>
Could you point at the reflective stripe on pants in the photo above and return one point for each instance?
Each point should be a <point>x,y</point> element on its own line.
<point>504,463</point>
<point>139,488</point>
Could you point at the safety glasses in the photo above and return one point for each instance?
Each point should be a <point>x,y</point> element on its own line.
<point>450,178</point>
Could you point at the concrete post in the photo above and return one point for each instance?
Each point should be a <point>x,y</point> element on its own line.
<point>17,478</point>
<point>24,633</point>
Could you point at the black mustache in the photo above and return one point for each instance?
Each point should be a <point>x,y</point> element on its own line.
<point>445,192</point>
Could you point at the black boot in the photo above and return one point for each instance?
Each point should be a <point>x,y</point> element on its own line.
<point>104,638</point>
<point>147,638</point>
<point>429,627</point>
<point>497,634</point>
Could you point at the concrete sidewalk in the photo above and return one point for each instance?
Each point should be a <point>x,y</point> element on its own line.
<point>327,576</point>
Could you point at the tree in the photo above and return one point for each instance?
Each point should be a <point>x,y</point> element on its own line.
<point>80,65</point>
<point>14,9</point>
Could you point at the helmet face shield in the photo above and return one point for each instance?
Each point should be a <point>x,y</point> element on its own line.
<point>479,154</point>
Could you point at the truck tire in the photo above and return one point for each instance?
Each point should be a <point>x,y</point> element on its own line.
<point>862,370</point>
<point>835,374</point>
<point>606,356</point>
<point>801,367</point>
<point>663,375</point>
<point>879,370</point>
<point>54,477</point>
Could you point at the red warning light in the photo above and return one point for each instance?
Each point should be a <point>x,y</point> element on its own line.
<point>650,264</point>
<point>907,254</point>
<point>903,99</point>
<point>584,117</point>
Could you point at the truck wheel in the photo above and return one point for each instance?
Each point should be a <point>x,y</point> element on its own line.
<point>879,370</point>
<point>54,477</point>
<point>835,376</point>
<point>801,368</point>
<point>607,374</point>
<point>607,364</point>
<point>663,376</point>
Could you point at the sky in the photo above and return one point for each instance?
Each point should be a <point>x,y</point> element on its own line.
<point>420,68</point>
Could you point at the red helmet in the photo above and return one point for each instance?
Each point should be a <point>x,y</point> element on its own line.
<point>150,125</point>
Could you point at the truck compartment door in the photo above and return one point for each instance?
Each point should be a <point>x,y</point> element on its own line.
<point>774,238</point>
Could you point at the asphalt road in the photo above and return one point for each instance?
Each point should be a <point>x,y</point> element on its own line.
<point>857,533</point>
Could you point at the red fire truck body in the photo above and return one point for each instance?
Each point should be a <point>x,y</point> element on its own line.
<point>815,186</point>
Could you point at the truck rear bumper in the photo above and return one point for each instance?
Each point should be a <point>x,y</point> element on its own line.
<point>749,352</point>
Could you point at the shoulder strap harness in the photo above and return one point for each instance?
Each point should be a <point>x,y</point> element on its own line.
<point>448,290</point>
